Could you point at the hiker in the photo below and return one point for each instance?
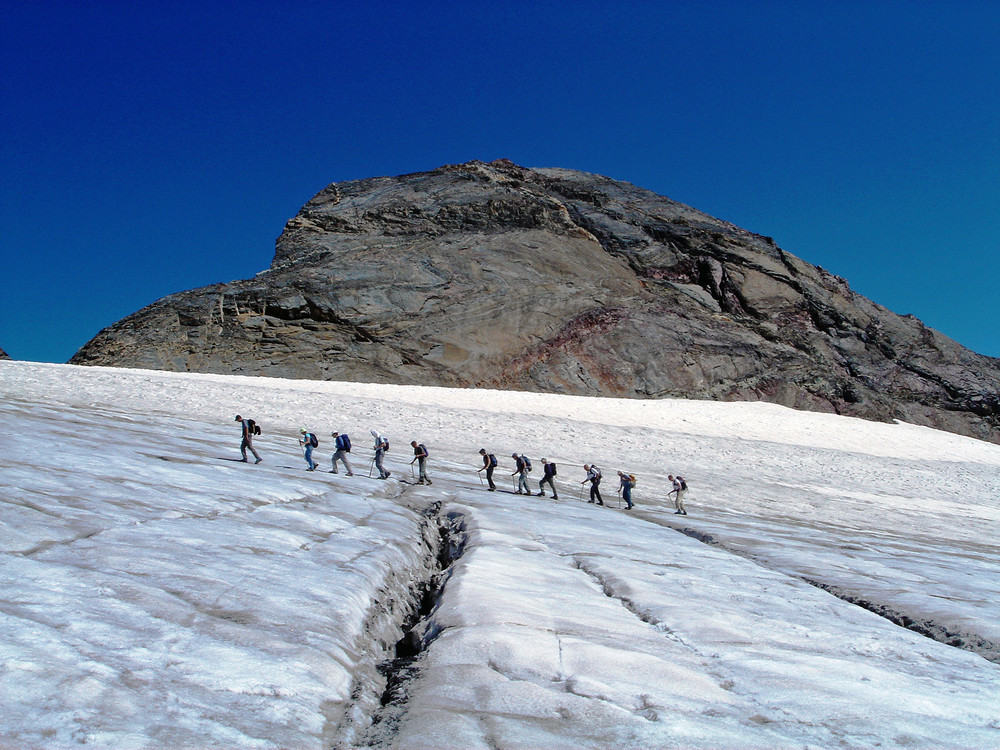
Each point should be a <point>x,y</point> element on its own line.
<point>342,445</point>
<point>250,428</point>
<point>549,470</point>
<point>626,485</point>
<point>680,487</point>
<point>381,446</point>
<point>521,470</point>
<point>489,463</point>
<point>308,441</point>
<point>420,456</point>
<point>594,477</point>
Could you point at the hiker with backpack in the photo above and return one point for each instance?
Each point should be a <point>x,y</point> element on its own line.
<point>250,429</point>
<point>420,456</point>
<point>549,476</point>
<point>626,485</point>
<point>342,445</point>
<point>489,463</point>
<point>594,477</point>
<point>308,441</point>
<point>381,446</point>
<point>680,487</point>
<point>521,471</point>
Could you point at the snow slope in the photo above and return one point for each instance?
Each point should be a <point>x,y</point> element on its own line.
<point>154,592</point>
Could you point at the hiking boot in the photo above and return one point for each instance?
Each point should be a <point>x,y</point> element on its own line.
<point>678,512</point>
<point>350,474</point>
<point>541,494</point>
<point>684,512</point>
<point>243,460</point>
<point>429,482</point>
<point>258,460</point>
<point>555,497</point>
<point>492,489</point>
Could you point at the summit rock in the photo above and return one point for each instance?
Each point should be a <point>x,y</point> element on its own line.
<point>498,276</point>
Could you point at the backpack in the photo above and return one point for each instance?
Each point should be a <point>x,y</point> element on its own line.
<point>553,469</point>
<point>493,460</point>
<point>344,443</point>
<point>252,427</point>
<point>311,440</point>
<point>631,478</point>
<point>527,463</point>
<point>423,449</point>
<point>385,445</point>
<point>684,485</point>
<point>597,472</point>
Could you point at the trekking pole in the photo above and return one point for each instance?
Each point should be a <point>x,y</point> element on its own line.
<point>411,470</point>
<point>481,482</point>
<point>581,492</point>
<point>371,467</point>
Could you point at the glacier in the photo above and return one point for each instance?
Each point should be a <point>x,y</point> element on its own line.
<point>836,583</point>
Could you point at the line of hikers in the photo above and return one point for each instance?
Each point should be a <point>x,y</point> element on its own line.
<point>522,466</point>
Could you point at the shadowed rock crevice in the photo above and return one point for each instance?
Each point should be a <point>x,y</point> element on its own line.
<point>495,275</point>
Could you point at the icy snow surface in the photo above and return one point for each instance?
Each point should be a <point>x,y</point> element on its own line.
<point>154,592</point>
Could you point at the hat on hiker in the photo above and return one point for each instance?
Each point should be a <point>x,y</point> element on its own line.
<point>238,418</point>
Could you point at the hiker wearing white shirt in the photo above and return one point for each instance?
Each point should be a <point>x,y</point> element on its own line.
<point>594,477</point>
<point>381,446</point>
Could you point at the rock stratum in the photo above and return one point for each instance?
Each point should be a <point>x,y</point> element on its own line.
<point>498,276</point>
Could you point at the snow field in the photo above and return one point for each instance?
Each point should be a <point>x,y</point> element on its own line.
<point>156,593</point>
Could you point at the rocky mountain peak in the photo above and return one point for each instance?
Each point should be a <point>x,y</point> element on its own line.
<point>496,275</point>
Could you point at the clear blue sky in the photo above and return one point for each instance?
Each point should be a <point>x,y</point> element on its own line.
<point>153,147</point>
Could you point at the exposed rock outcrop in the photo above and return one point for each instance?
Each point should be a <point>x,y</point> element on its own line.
<point>4,355</point>
<point>495,275</point>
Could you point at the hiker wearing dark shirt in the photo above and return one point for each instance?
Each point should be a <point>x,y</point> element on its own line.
<point>342,446</point>
<point>489,464</point>
<point>247,442</point>
<point>626,485</point>
<point>521,471</point>
<point>549,477</point>
<point>420,456</point>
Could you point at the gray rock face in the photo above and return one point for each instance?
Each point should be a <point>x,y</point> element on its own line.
<point>494,275</point>
<point>4,355</point>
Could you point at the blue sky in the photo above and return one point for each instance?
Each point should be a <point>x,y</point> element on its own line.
<point>153,147</point>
